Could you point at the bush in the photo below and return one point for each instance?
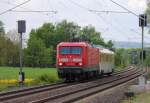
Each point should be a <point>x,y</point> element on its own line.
<point>45,79</point>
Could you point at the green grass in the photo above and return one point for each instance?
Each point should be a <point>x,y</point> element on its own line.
<point>39,76</point>
<point>141,98</point>
<point>12,72</point>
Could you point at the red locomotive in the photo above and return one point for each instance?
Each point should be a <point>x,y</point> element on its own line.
<point>79,60</point>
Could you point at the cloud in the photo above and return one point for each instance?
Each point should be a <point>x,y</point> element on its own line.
<point>137,4</point>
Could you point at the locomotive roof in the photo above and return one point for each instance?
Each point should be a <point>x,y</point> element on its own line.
<point>101,49</point>
<point>106,51</point>
<point>73,44</point>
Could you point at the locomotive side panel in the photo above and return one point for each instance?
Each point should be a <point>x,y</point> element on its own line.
<point>93,59</point>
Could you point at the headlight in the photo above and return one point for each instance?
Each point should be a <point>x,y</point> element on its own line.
<point>80,64</point>
<point>63,60</point>
<point>60,64</point>
<point>77,60</point>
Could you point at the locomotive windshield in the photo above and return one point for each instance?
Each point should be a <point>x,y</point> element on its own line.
<point>70,50</point>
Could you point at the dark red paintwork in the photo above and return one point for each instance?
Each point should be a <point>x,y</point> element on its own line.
<point>89,56</point>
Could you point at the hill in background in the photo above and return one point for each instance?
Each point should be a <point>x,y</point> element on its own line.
<point>125,44</point>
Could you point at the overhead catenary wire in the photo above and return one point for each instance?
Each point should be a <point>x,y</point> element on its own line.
<point>130,13</point>
<point>126,9</point>
<point>65,5</point>
<point>33,11</point>
<point>92,10</point>
<point>15,7</point>
<point>108,11</point>
<point>28,9</point>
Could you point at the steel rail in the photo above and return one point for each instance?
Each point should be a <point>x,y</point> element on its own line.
<point>38,89</point>
<point>24,92</point>
<point>82,89</point>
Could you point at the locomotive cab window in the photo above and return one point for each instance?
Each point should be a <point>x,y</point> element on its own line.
<point>70,50</point>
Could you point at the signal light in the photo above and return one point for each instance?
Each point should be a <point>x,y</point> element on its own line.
<point>143,20</point>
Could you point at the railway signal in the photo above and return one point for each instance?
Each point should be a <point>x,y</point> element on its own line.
<point>143,20</point>
<point>142,24</point>
<point>21,29</point>
<point>144,55</point>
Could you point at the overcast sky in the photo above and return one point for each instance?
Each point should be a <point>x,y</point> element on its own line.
<point>113,26</point>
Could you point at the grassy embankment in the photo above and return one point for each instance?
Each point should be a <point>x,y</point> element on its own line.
<point>34,76</point>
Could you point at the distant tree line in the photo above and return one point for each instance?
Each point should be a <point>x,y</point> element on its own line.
<point>42,42</point>
<point>8,49</point>
<point>41,45</point>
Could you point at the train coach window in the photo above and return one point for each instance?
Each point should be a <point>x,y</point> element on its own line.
<point>75,50</point>
<point>70,50</point>
<point>64,50</point>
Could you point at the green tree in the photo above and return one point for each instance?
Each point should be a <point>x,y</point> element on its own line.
<point>46,34</point>
<point>66,31</point>
<point>110,44</point>
<point>1,28</point>
<point>148,11</point>
<point>122,58</point>
<point>8,50</point>
<point>36,55</point>
<point>89,34</point>
<point>41,49</point>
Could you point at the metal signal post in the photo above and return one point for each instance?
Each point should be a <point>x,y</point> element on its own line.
<point>142,24</point>
<point>21,30</point>
<point>142,57</point>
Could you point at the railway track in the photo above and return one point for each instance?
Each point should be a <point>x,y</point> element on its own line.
<point>74,95</point>
<point>32,90</point>
<point>54,89</point>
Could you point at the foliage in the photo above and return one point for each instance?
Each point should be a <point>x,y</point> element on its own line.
<point>36,54</point>
<point>148,12</point>
<point>147,60</point>
<point>8,52</point>
<point>13,36</point>
<point>89,34</point>
<point>110,44</point>
<point>122,58</point>
<point>1,29</point>
<point>42,43</point>
<point>45,78</point>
